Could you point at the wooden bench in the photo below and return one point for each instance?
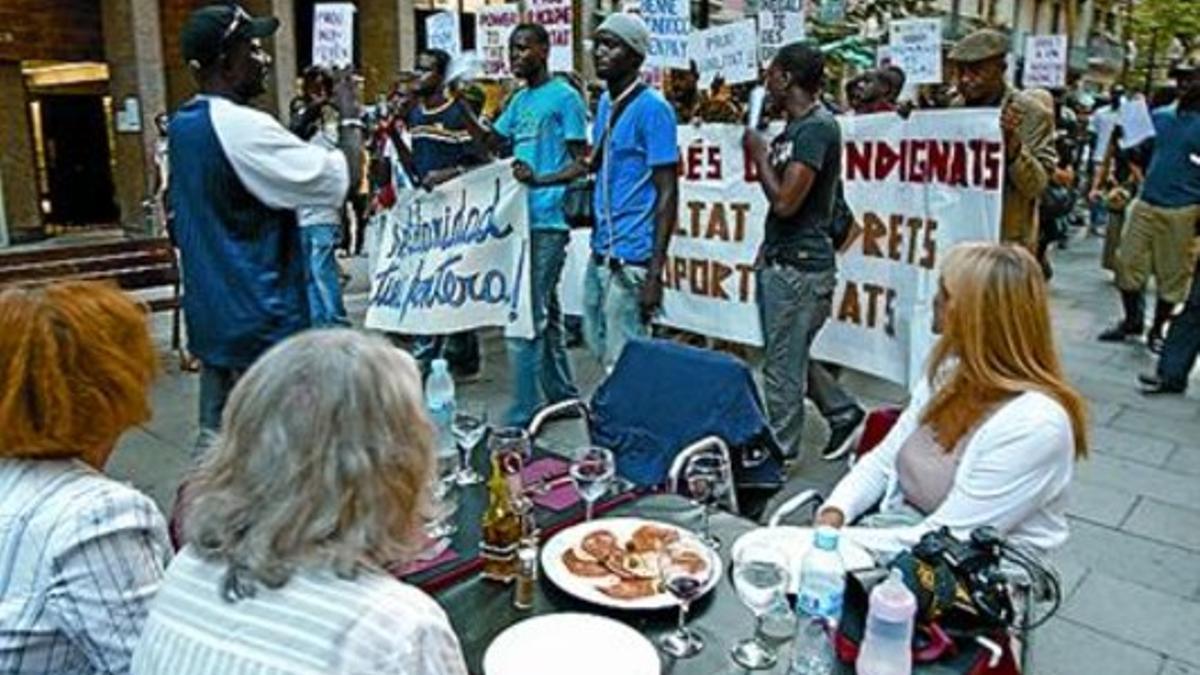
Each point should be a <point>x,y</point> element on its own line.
<point>134,265</point>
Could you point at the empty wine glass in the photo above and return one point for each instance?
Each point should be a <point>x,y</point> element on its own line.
<point>760,577</point>
<point>592,472</point>
<point>469,426</point>
<point>707,478</point>
<point>684,568</point>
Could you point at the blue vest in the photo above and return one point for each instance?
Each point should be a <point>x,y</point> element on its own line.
<point>243,276</point>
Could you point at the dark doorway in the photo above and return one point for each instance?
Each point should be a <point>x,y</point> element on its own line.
<point>78,162</point>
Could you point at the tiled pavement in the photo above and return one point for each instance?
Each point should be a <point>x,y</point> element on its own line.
<point>1132,566</point>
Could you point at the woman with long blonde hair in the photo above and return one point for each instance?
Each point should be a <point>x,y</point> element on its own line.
<point>993,429</point>
<point>317,482</point>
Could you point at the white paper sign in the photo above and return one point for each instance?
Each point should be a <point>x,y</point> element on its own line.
<point>555,16</point>
<point>455,258</point>
<point>333,34</point>
<point>730,51</point>
<point>915,46</point>
<point>947,189</point>
<point>1136,123</point>
<point>1045,61</point>
<point>493,26</point>
<point>779,22</point>
<point>670,22</point>
<point>441,32</point>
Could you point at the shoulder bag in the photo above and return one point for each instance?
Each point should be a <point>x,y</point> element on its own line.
<point>578,198</point>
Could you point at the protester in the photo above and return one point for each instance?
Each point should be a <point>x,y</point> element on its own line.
<point>992,430</point>
<point>1180,348</point>
<point>692,105</point>
<point>546,124</point>
<point>162,172</point>
<point>1101,125</point>
<point>799,173</point>
<point>877,91</point>
<point>238,177</point>
<point>637,192</point>
<point>1116,179</point>
<point>1161,223</point>
<point>292,519</point>
<point>320,224</point>
<point>1028,130</point>
<point>443,148</point>
<point>81,555</point>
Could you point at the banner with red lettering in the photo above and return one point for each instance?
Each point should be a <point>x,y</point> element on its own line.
<point>917,187</point>
<point>556,17</point>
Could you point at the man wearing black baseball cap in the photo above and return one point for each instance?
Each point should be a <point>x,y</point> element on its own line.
<point>238,178</point>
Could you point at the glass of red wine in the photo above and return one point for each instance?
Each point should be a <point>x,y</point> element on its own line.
<point>707,478</point>
<point>684,569</point>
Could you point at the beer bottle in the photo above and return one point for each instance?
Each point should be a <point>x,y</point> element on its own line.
<point>502,527</point>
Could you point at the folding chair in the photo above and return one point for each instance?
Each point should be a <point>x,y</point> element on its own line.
<point>666,402</point>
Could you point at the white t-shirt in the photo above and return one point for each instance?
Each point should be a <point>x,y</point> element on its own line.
<point>322,214</point>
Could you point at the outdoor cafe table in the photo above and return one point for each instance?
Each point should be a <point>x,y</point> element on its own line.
<point>481,609</point>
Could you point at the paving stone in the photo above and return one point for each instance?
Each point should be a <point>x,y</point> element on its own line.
<point>1167,486</point>
<point>1173,667</point>
<point>1122,555</point>
<point>1128,445</point>
<point>1062,647</point>
<point>1185,459</point>
<point>1133,613</point>
<point>1071,574</point>
<point>1166,523</point>
<point>150,465</point>
<point>1101,505</point>
<point>1100,387</point>
<point>1179,431</point>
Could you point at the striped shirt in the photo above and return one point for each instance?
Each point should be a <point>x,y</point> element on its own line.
<point>315,623</point>
<point>80,558</point>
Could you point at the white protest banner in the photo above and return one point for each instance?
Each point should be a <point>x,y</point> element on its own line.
<point>916,188</point>
<point>333,34</point>
<point>1045,61</point>
<point>455,258</point>
<point>730,51</point>
<point>670,22</point>
<point>441,32</point>
<point>493,25</point>
<point>779,22</point>
<point>555,17</point>
<point>915,45</point>
<point>1136,123</point>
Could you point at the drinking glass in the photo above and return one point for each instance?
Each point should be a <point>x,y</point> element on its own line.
<point>707,477</point>
<point>760,577</point>
<point>684,568</point>
<point>592,472</point>
<point>440,522</point>
<point>469,427</point>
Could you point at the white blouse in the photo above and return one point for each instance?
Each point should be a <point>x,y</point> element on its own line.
<point>1013,475</point>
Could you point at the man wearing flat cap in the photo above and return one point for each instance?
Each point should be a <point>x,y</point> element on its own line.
<point>1027,127</point>
<point>636,194</point>
<point>238,176</point>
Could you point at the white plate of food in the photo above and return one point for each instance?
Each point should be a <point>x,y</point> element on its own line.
<point>794,542</point>
<point>545,645</point>
<point>614,562</point>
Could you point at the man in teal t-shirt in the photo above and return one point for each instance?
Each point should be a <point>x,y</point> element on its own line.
<point>546,123</point>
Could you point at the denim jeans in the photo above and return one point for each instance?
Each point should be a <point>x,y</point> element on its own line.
<point>215,385</point>
<point>1183,340</point>
<point>612,314</point>
<point>793,305</point>
<point>321,281</point>
<point>540,369</point>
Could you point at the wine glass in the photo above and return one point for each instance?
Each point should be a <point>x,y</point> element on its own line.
<point>440,522</point>
<point>592,472</point>
<point>707,478</point>
<point>760,577</point>
<point>469,427</point>
<point>684,568</point>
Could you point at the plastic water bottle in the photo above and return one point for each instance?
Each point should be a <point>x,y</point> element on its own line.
<point>439,400</point>
<point>818,605</point>
<point>887,643</point>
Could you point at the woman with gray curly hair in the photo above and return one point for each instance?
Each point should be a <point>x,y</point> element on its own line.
<point>319,478</point>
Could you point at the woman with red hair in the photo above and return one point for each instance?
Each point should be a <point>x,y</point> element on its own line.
<point>81,555</point>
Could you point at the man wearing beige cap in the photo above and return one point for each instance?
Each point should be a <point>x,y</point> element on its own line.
<point>1027,127</point>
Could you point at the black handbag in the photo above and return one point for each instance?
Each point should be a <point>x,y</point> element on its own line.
<point>579,206</point>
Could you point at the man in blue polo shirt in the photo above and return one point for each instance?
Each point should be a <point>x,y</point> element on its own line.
<point>546,123</point>
<point>637,193</point>
<point>237,178</point>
